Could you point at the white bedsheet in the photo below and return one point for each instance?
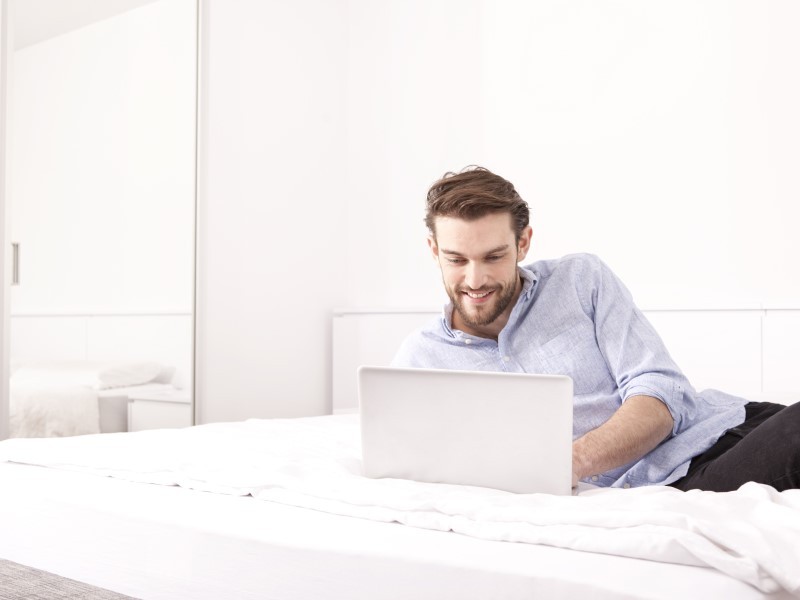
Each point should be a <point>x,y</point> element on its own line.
<point>752,534</point>
<point>169,543</point>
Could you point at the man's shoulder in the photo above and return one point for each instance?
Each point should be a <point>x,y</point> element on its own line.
<point>431,329</point>
<point>580,262</point>
<point>417,344</point>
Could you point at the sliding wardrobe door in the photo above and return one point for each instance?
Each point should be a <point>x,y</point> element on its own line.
<point>100,210</point>
<point>4,365</point>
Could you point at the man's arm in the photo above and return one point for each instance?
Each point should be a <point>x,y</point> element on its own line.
<point>640,424</point>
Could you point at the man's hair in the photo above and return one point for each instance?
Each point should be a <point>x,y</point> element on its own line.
<point>473,193</point>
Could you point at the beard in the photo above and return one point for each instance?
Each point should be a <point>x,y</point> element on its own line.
<point>482,315</point>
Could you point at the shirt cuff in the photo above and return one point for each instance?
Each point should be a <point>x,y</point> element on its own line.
<point>661,387</point>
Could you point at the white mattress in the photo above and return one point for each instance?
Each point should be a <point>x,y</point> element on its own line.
<point>152,541</point>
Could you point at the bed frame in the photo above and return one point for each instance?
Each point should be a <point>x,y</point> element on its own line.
<point>164,337</point>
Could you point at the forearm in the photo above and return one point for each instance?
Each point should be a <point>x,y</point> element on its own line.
<point>639,425</point>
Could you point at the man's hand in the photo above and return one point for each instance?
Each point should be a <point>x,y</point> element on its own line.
<point>638,426</point>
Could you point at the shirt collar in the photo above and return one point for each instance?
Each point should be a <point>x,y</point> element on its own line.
<point>447,319</point>
<point>529,280</point>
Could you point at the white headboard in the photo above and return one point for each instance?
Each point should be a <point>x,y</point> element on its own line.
<point>752,352</point>
<point>161,337</point>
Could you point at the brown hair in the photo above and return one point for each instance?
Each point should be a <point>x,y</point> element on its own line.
<point>473,193</point>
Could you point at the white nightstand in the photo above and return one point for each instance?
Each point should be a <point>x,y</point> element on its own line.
<point>159,409</point>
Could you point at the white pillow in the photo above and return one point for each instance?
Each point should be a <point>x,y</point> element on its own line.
<point>96,375</point>
<point>124,374</point>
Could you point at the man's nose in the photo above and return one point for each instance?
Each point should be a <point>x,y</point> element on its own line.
<point>475,276</point>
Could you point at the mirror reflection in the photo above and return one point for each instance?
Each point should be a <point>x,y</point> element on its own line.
<point>101,204</point>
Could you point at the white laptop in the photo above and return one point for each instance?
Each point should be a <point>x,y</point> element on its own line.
<point>508,431</point>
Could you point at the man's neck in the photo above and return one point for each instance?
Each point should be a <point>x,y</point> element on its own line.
<point>490,331</point>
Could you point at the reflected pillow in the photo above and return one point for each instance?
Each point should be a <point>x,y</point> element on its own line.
<point>96,375</point>
<point>124,374</point>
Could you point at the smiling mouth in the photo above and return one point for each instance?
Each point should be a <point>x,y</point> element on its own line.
<point>477,295</point>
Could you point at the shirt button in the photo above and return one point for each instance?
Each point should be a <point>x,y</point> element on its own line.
<point>595,478</point>
<point>626,485</point>
<point>467,341</point>
<point>506,358</point>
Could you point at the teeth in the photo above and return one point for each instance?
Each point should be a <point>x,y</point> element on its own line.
<point>471,295</point>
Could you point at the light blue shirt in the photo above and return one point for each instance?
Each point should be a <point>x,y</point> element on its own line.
<point>575,317</point>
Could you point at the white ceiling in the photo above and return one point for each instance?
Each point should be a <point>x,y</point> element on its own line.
<point>38,20</point>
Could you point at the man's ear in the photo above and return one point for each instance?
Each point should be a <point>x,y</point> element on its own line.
<point>434,247</point>
<point>524,243</point>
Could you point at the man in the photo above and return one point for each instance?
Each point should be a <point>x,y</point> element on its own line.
<point>637,420</point>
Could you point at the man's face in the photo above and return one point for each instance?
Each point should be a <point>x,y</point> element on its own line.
<point>478,260</point>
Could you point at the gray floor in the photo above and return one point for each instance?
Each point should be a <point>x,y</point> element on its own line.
<point>19,581</point>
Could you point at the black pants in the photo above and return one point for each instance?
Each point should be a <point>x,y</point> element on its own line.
<point>765,449</point>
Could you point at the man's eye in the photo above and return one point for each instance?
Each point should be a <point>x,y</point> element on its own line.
<point>455,261</point>
<point>494,257</point>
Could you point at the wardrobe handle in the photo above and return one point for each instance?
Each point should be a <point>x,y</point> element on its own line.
<point>15,264</point>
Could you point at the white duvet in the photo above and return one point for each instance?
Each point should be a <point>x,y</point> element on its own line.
<point>752,534</point>
<point>44,408</point>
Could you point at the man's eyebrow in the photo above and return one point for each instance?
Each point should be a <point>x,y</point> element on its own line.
<point>502,248</point>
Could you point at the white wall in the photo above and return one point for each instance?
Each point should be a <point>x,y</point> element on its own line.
<point>272,197</point>
<point>39,20</point>
<point>661,136</point>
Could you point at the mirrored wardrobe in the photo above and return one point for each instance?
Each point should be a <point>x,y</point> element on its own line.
<point>100,214</point>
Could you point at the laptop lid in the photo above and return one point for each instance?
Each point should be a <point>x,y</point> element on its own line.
<point>508,431</point>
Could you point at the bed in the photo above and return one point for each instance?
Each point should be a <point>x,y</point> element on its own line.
<point>72,397</point>
<point>278,509</point>
<point>73,372</point>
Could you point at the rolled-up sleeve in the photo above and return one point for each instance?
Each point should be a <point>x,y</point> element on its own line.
<point>633,350</point>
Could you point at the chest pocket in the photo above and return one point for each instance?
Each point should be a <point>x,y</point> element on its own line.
<point>574,352</point>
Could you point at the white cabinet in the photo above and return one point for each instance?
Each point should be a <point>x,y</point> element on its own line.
<point>159,410</point>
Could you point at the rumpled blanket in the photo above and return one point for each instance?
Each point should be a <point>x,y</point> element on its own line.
<point>752,534</point>
<point>52,409</point>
